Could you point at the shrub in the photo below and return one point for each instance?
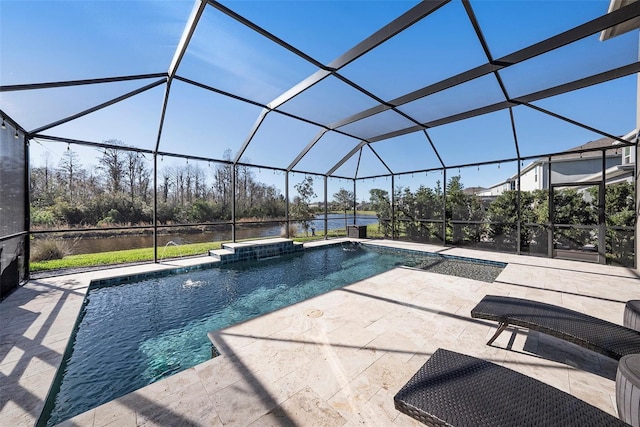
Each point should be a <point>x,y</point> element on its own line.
<point>48,249</point>
<point>72,214</point>
<point>106,221</point>
<point>42,217</point>
<point>293,229</point>
<point>166,212</point>
<point>201,211</point>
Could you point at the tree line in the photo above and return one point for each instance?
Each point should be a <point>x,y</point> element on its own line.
<point>119,191</point>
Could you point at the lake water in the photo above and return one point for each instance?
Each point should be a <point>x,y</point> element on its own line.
<point>221,233</point>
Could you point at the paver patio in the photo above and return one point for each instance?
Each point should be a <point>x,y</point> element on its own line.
<point>336,359</point>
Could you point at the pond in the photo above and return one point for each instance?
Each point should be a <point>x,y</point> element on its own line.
<point>222,233</point>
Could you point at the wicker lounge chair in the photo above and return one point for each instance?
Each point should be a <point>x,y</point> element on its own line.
<point>453,389</point>
<point>598,335</point>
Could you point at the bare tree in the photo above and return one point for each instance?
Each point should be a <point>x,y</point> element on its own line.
<point>188,177</point>
<point>199,184</point>
<point>144,177</point>
<point>112,163</point>
<point>178,176</point>
<point>223,180</point>
<point>47,160</point>
<point>166,183</point>
<point>132,164</point>
<point>68,168</point>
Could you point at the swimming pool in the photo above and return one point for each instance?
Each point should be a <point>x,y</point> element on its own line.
<point>136,333</point>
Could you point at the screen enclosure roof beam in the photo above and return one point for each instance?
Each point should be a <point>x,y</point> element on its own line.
<point>577,33</point>
<point>525,99</point>
<point>396,26</point>
<point>100,106</point>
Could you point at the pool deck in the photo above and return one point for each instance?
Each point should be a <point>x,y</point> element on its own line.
<point>336,359</point>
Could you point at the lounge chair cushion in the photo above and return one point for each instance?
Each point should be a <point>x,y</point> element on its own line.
<point>598,335</point>
<point>453,389</point>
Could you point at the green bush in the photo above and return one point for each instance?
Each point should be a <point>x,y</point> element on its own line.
<point>72,214</point>
<point>201,211</point>
<point>42,217</point>
<point>106,221</point>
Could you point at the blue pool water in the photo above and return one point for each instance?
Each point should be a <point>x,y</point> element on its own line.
<point>136,333</point>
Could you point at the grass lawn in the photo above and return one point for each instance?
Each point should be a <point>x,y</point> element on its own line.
<point>125,256</point>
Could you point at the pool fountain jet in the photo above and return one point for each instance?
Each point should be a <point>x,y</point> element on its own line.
<point>170,242</point>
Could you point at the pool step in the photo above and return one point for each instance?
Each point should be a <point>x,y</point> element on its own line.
<point>221,253</point>
<point>255,249</point>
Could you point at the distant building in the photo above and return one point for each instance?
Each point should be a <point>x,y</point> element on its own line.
<point>497,189</point>
<point>577,165</point>
<point>473,190</point>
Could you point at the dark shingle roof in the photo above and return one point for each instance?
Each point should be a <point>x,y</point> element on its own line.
<point>575,152</point>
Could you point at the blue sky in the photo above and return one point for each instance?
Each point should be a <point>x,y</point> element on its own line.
<point>43,41</point>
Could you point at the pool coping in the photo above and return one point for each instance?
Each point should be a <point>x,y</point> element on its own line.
<point>118,280</point>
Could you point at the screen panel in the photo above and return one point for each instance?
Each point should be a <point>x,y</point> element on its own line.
<point>70,40</point>
<point>529,22</point>
<point>410,152</point>
<point>75,186</point>
<point>41,107</point>
<point>306,206</point>
<point>569,63</point>
<point>305,24</point>
<point>539,133</point>
<point>13,218</point>
<point>478,139</point>
<point>370,164</point>
<point>204,123</point>
<point>374,206</point>
<point>278,141</point>
<point>613,102</point>
<point>425,53</point>
<point>229,56</point>
<point>477,93</point>
<point>326,153</point>
<point>134,121</point>
<point>378,124</point>
<point>328,101</point>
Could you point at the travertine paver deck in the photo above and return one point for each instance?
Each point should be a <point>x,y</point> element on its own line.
<point>336,359</point>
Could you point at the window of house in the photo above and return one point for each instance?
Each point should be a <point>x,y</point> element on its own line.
<point>626,156</point>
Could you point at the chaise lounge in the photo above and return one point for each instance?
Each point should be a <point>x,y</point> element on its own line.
<point>453,389</point>
<point>595,334</point>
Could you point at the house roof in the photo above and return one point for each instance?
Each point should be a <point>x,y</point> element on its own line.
<point>584,151</point>
<point>474,190</point>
